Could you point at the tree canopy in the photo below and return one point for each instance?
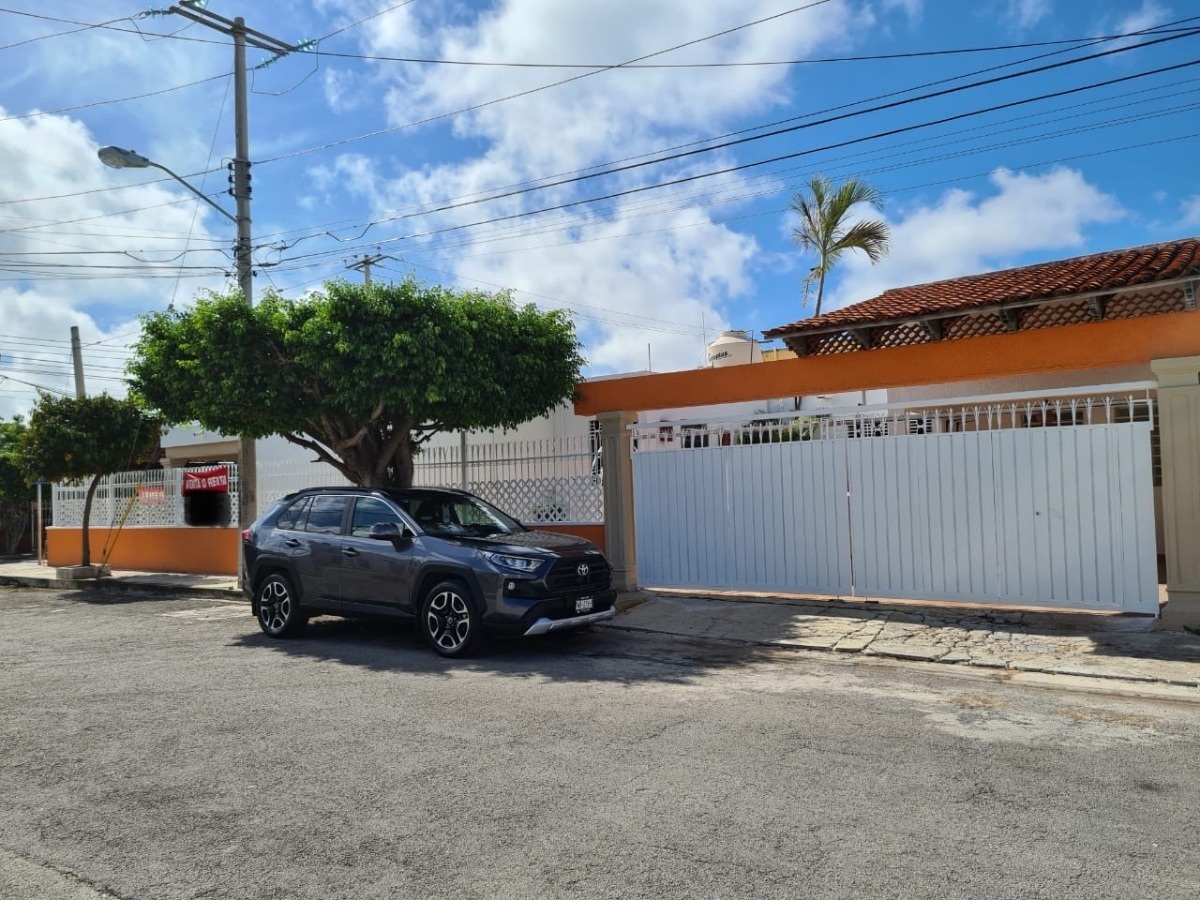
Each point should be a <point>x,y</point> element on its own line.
<point>362,375</point>
<point>15,491</point>
<point>827,230</point>
<point>71,440</point>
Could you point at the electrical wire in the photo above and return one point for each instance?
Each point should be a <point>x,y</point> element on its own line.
<point>612,165</point>
<point>687,179</point>
<point>545,87</point>
<point>51,112</point>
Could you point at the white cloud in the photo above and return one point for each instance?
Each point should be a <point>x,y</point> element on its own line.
<point>66,257</point>
<point>1191,212</point>
<point>631,257</point>
<point>1148,15</point>
<point>962,234</point>
<point>1027,13</point>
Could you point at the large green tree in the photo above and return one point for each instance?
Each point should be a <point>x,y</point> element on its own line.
<point>15,492</point>
<point>828,231</point>
<point>360,375</point>
<point>72,440</point>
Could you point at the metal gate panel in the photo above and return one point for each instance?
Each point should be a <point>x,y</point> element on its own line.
<point>1035,516</point>
<point>764,517</point>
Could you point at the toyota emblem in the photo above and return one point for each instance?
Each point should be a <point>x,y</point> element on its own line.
<point>582,569</point>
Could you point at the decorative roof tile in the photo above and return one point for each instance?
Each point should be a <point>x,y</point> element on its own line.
<point>1098,273</point>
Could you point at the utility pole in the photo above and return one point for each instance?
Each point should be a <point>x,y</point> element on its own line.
<point>236,29</point>
<point>77,362</point>
<point>364,265</point>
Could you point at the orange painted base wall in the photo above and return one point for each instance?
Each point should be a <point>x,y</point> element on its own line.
<point>196,551</point>
<point>593,533</point>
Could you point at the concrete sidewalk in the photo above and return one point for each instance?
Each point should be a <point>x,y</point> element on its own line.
<point>1123,648</point>
<point>27,573</point>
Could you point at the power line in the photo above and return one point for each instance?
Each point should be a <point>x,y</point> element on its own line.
<point>95,103</point>
<point>119,187</point>
<point>374,15</point>
<point>609,166</point>
<point>812,124</point>
<point>878,57</point>
<point>545,87</point>
<point>795,155</point>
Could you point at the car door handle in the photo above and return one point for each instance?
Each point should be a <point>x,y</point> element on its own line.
<point>349,551</point>
<point>292,542</point>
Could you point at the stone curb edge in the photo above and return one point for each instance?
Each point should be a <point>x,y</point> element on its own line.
<point>116,584</point>
<point>1069,671</point>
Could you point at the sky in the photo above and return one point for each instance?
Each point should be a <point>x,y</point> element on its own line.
<point>631,161</point>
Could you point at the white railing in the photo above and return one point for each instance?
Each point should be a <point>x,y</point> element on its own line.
<point>549,481</point>
<point>1089,406</point>
<point>280,477</point>
<point>154,499</point>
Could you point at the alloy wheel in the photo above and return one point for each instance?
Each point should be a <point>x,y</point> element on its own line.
<point>448,620</point>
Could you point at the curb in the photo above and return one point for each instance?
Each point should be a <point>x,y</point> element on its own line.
<point>123,586</point>
<point>1065,670</point>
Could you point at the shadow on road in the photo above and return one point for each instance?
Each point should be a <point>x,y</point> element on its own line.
<point>582,656</point>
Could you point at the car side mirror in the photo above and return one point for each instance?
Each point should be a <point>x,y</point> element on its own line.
<point>389,531</point>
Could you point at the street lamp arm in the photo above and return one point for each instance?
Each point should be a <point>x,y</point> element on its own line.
<point>230,216</point>
<point>120,158</point>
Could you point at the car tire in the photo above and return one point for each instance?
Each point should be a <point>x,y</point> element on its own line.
<point>449,621</point>
<point>277,607</point>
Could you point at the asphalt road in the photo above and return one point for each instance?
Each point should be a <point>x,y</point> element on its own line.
<point>157,749</point>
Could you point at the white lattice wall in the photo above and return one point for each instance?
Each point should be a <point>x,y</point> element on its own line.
<point>154,500</point>
<point>550,481</point>
<point>546,481</point>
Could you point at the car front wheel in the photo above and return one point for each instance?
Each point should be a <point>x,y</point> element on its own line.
<point>449,621</point>
<point>279,614</point>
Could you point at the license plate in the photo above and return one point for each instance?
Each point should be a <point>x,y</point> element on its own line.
<point>583,605</point>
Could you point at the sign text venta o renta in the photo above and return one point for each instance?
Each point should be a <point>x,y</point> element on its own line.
<point>210,478</point>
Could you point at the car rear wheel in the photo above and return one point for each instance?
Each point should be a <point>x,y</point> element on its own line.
<point>279,614</point>
<point>449,621</point>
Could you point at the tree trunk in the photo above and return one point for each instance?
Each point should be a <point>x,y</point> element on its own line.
<point>820,293</point>
<point>14,519</point>
<point>86,560</point>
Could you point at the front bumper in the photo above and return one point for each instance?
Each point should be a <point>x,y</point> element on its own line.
<point>545,625</point>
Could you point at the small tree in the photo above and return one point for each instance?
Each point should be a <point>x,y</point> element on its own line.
<point>361,375</point>
<point>70,440</point>
<point>15,492</point>
<point>825,228</point>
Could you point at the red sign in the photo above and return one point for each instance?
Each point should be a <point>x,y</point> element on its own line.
<point>153,494</point>
<point>212,478</point>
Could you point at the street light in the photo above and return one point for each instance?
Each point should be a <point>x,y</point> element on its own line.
<point>118,158</point>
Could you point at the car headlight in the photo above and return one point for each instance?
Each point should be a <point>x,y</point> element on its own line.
<point>524,564</point>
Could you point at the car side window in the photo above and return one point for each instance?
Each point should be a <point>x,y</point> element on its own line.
<point>325,515</point>
<point>370,511</point>
<point>292,518</point>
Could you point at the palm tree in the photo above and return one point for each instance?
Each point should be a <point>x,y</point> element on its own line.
<point>824,229</point>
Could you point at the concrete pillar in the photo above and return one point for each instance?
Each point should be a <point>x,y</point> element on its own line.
<point>618,497</point>
<point>1179,430</point>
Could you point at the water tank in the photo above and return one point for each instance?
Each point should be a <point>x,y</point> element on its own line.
<point>734,348</point>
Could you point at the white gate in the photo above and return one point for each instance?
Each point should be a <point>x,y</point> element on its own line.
<point>767,517</point>
<point>1019,502</point>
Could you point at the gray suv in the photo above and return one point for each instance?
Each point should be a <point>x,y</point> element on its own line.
<point>453,562</point>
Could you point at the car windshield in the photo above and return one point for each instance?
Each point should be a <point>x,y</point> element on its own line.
<point>457,514</point>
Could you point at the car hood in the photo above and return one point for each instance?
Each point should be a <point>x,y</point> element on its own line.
<point>548,541</point>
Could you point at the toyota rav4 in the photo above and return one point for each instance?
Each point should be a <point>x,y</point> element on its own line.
<point>453,562</point>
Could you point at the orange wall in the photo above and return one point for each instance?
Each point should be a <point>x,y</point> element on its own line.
<point>197,551</point>
<point>1093,345</point>
<point>593,533</point>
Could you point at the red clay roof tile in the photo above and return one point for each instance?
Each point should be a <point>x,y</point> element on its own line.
<point>1109,271</point>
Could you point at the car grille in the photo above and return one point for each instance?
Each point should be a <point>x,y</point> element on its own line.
<point>565,576</point>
